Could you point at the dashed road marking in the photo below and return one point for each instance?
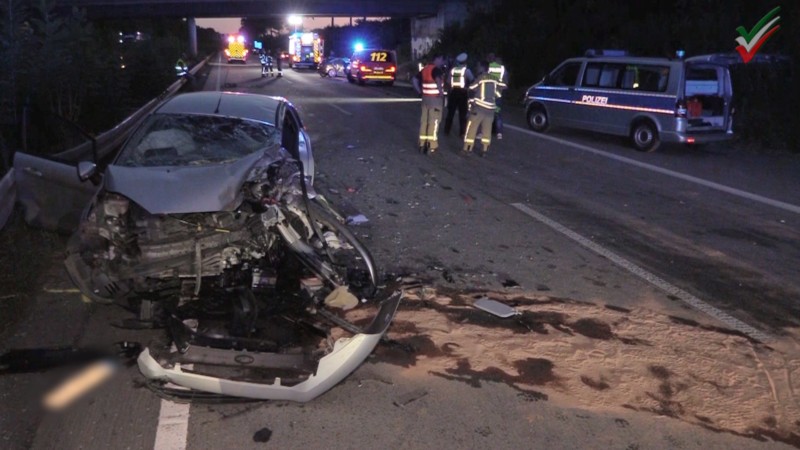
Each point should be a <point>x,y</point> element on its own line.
<point>656,281</point>
<point>173,426</point>
<point>344,111</point>
<point>710,184</point>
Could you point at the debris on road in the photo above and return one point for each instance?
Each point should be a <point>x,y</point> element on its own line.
<point>495,307</point>
<point>410,397</point>
<point>358,219</point>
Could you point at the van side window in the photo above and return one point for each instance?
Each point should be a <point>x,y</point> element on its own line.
<point>626,76</point>
<point>645,78</point>
<point>566,75</point>
<point>605,75</point>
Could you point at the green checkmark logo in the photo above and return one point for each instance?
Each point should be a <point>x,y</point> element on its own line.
<point>750,41</point>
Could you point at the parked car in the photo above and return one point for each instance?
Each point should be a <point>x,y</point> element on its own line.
<point>206,223</point>
<point>650,100</point>
<point>377,65</point>
<point>333,67</point>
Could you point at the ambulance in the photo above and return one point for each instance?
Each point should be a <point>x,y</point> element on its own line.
<point>236,50</point>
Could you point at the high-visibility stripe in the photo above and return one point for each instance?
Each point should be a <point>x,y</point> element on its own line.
<point>430,89</point>
<point>606,105</point>
<point>485,104</point>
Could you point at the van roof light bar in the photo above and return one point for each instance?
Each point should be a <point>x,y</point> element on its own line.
<point>606,52</point>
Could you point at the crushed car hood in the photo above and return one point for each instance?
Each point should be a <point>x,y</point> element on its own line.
<point>189,189</point>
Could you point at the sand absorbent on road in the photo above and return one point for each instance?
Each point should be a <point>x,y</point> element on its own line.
<point>599,356</point>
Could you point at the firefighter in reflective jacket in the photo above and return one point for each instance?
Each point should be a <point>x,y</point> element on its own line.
<point>429,82</point>
<point>498,71</point>
<point>266,63</point>
<point>486,91</point>
<point>181,69</point>
<point>457,98</point>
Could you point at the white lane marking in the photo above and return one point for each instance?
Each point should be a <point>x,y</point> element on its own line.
<point>173,421</point>
<point>353,101</point>
<point>173,426</point>
<point>344,111</point>
<point>720,187</point>
<point>665,286</point>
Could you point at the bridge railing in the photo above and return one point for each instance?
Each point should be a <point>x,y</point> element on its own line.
<point>104,144</point>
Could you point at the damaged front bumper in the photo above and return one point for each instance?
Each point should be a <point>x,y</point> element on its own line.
<point>346,356</point>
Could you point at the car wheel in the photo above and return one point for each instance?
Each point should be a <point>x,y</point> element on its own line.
<point>537,119</point>
<point>350,79</point>
<point>644,136</point>
<point>332,72</point>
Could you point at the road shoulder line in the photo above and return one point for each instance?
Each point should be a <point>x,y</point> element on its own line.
<point>710,184</point>
<point>651,278</point>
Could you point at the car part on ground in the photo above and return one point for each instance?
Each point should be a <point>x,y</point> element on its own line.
<point>345,356</point>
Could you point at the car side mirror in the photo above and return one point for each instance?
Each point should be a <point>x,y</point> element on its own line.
<point>87,170</point>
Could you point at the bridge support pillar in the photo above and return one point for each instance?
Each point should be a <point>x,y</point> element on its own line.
<point>425,30</point>
<point>190,22</point>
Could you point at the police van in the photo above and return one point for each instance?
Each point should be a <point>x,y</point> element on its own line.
<point>650,100</point>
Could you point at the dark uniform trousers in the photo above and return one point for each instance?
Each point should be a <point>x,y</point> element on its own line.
<point>457,100</point>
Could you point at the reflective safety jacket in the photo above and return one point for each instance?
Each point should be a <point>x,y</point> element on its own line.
<point>181,68</point>
<point>486,91</point>
<point>498,72</point>
<point>458,77</point>
<point>429,86</point>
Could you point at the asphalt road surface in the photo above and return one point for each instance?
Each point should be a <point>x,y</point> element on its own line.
<point>711,235</point>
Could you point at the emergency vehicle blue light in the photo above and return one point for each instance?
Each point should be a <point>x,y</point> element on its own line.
<point>680,54</point>
<point>358,46</point>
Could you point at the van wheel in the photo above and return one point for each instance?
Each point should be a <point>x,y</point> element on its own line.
<point>537,119</point>
<point>645,136</point>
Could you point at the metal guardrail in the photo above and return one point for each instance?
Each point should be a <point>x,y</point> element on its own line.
<point>105,143</point>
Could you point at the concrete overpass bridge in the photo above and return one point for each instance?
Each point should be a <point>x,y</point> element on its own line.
<point>427,16</point>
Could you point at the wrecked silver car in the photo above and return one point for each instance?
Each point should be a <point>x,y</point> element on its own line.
<point>207,224</point>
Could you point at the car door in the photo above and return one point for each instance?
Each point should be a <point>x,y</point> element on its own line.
<point>49,189</point>
<point>295,139</point>
<point>50,192</point>
<point>560,94</point>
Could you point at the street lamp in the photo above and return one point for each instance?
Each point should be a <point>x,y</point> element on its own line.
<point>295,20</point>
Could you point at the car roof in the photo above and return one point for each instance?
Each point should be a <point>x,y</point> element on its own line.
<point>257,107</point>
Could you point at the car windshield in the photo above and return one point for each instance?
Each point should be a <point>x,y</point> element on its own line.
<point>189,140</point>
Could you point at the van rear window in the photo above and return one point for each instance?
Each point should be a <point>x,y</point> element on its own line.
<point>701,81</point>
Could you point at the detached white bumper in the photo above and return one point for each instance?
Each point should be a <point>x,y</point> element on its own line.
<point>347,355</point>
